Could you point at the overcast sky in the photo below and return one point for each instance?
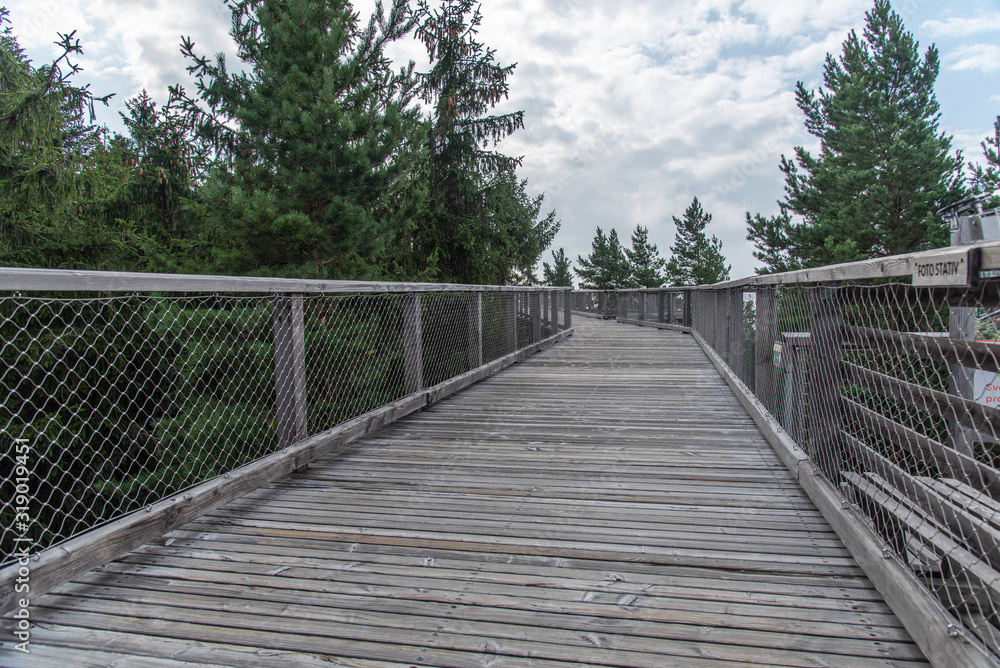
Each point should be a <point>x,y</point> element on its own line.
<point>632,107</point>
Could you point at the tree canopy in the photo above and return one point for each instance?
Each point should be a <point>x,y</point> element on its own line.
<point>884,168</point>
<point>606,268</point>
<point>558,274</point>
<point>696,259</point>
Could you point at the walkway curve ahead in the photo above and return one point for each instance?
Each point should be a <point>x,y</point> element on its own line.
<point>607,502</point>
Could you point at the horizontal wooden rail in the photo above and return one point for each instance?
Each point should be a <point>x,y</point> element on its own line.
<point>61,280</point>
<point>971,354</point>
<point>974,415</point>
<point>950,461</point>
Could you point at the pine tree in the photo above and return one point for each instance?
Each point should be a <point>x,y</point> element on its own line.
<point>884,169</point>
<point>772,246</point>
<point>696,259</point>
<point>558,274</point>
<point>318,141</point>
<point>467,182</point>
<point>606,268</point>
<point>985,179</point>
<point>645,264</point>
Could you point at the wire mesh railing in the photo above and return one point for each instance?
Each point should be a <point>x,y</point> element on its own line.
<point>891,386</point>
<point>114,400</point>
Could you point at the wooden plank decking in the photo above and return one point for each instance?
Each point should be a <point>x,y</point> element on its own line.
<point>607,502</point>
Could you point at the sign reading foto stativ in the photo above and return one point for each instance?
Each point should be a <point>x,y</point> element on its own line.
<point>947,269</point>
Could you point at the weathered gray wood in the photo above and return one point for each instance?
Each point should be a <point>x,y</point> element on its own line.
<point>553,310</point>
<point>568,310</point>
<point>413,346</point>
<point>766,335</point>
<point>962,327</point>
<point>968,353</point>
<point>661,307</point>
<point>290,369</point>
<point>475,330</point>
<point>919,610</point>
<point>510,321</point>
<point>88,551</point>
<point>56,280</point>
<point>642,306</point>
<point>826,320</point>
<point>688,315</point>
<point>953,463</point>
<point>535,315</point>
<point>879,268</point>
<point>972,414</point>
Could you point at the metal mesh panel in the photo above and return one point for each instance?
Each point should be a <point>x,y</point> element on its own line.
<point>114,403</point>
<point>893,392</point>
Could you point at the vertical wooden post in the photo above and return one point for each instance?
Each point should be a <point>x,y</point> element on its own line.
<point>661,307</point>
<point>413,349</point>
<point>475,330</point>
<point>553,311</point>
<point>568,303</point>
<point>688,308</point>
<point>510,320</point>
<point>826,322</point>
<point>535,313</point>
<point>290,369</point>
<point>766,333</point>
<point>642,305</point>
<point>736,346</point>
<point>602,303</point>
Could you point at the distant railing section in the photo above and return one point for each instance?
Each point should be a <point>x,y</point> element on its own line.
<point>121,390</point>
<point>668,306</point>
<point>886,373</point>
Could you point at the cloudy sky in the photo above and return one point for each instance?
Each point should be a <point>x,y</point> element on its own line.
<point>633,107</point>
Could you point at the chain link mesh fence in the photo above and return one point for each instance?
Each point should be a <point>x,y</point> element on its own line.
<point>113,403</point>
<point>892,390</point>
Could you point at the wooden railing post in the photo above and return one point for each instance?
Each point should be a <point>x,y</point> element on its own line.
<point>688,308</point>
<point>413,349</point>
<point>826,322</point>
<point>661,304</point>
<point>510,320</point>
<point>290,369</point>
<point>602,303</point>
<point>475,330</point>
<point>766,332</point>
<point>553,311</point>
<point>735,333</point>
<point>535,313</point>
<point>642,306</point>
<point>568,315</point>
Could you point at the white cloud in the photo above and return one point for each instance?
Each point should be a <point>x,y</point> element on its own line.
<point>963,26</point>
<point>982,57</point>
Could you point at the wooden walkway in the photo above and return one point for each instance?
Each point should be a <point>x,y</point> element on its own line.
<point>607,502</point>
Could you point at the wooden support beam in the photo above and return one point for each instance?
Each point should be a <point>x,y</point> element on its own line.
<point>475,329</point>
<point>290,369</point>
<point>413,348</point>
<point>766,335</point>
<point>826,323</point>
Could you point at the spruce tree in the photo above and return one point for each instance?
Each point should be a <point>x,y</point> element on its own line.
<point>558,274</point>
<point>318,142</point>
<point>884,168</point>
<point>606,268</point>
<point>645,264</point>
<point>464,226</point>
<point>696,259</point>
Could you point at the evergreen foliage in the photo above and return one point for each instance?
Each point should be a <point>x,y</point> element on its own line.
<point>772,246</point>
<point>606,268</point>
<point>696,259</point>
<point>985,179</point>
<point>54,167</point>
<point>645,264</point>
<point>558,274</point>
<point>317,142</point>
<point>477,225</point>
<point>884,169</point>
